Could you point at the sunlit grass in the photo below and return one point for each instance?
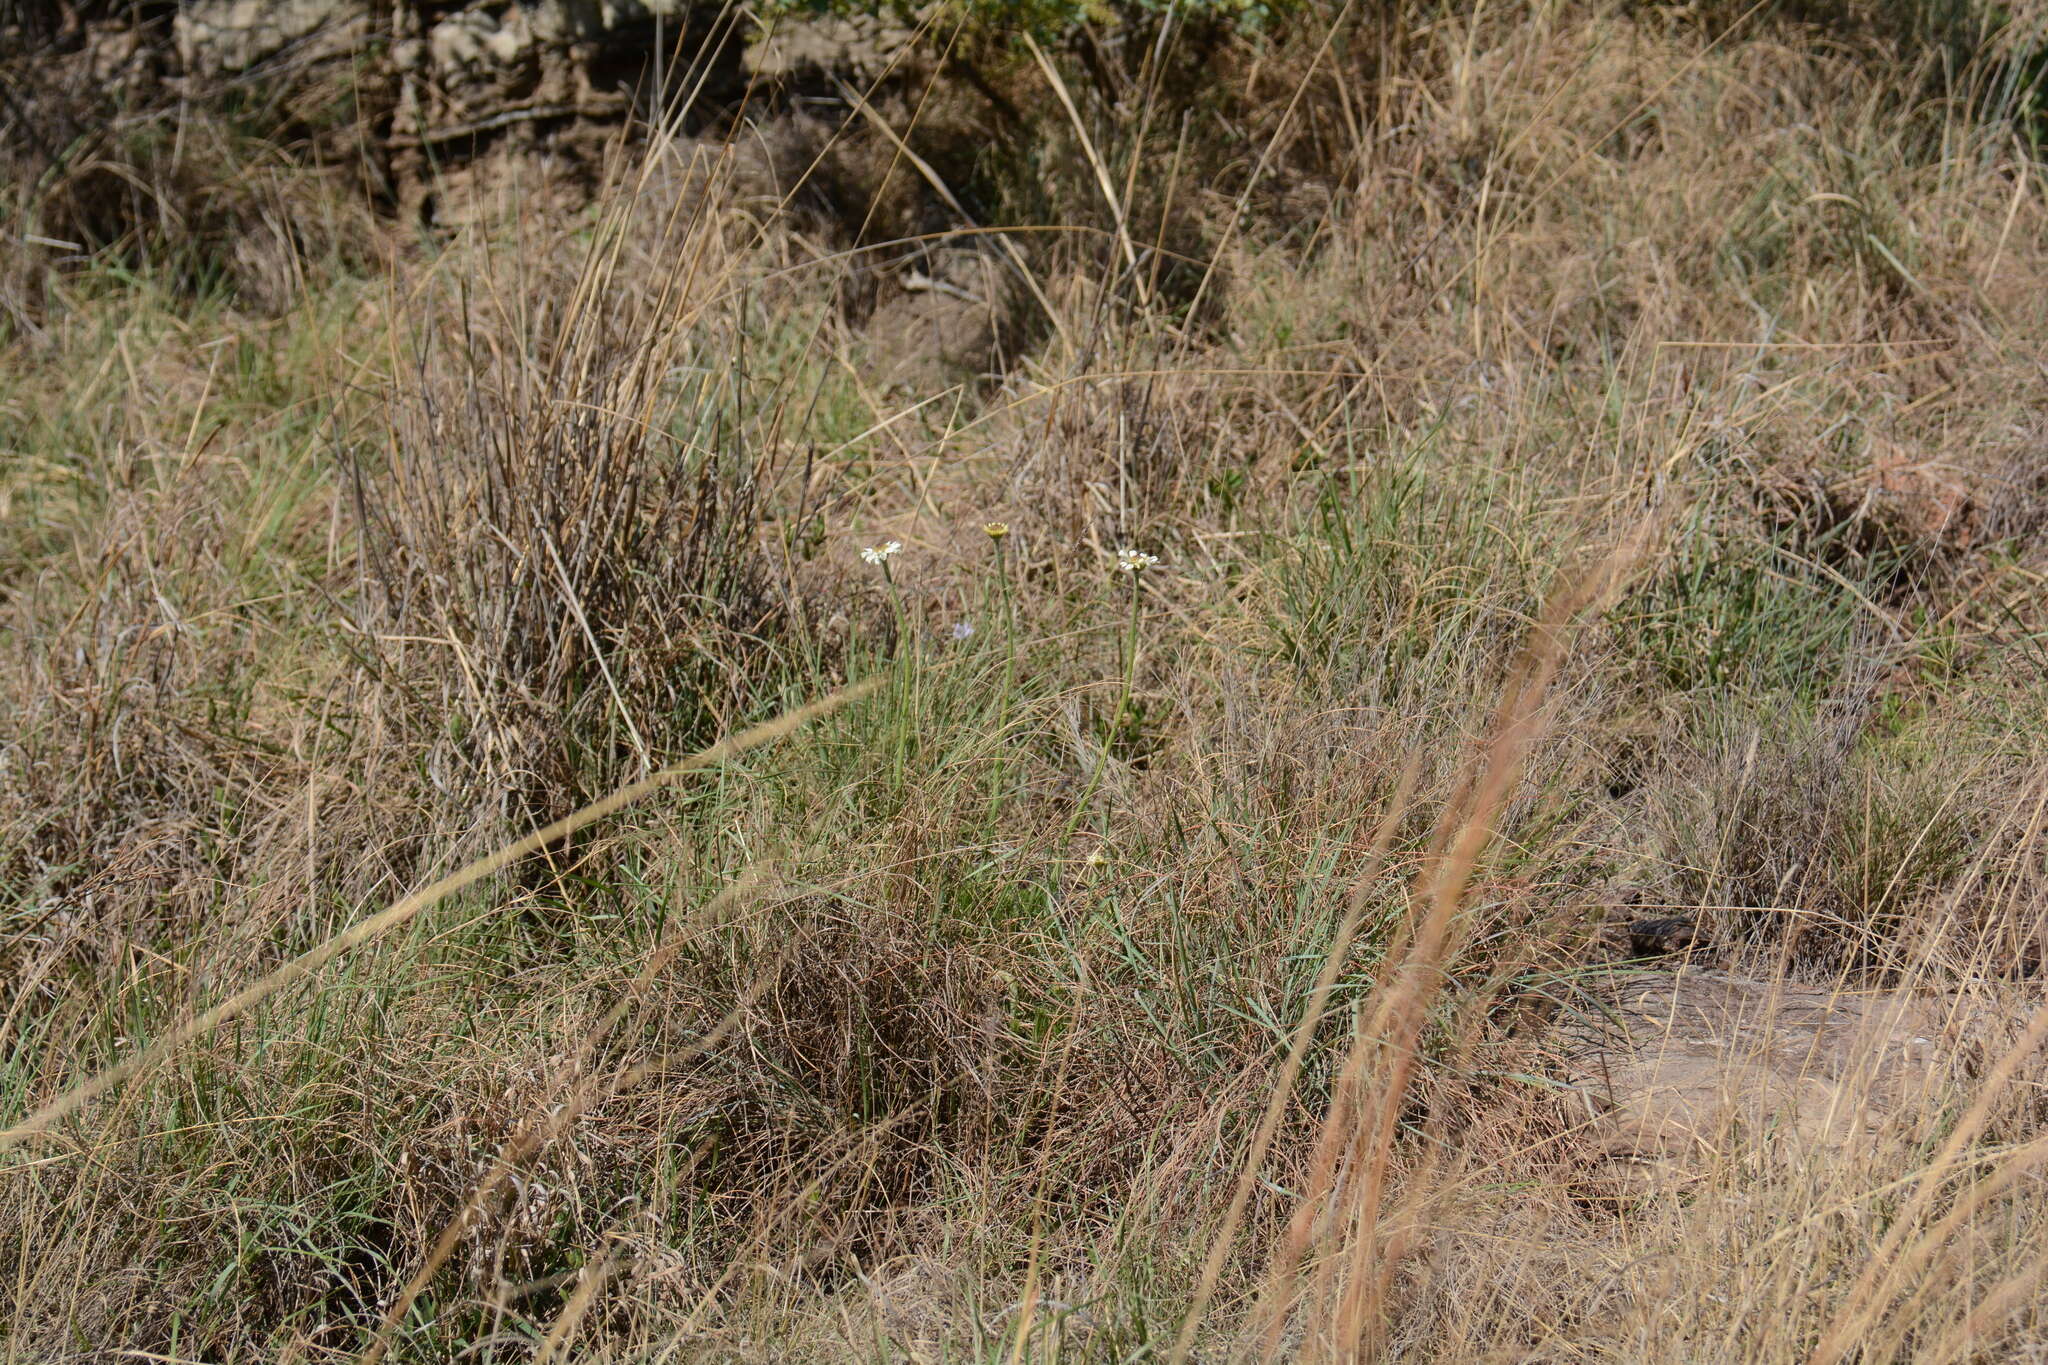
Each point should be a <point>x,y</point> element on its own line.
<point>1592,469</point>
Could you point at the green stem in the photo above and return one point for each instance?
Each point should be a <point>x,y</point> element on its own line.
<point>906,708</point>
<point>1116,720</point>
<point>1009,663</point>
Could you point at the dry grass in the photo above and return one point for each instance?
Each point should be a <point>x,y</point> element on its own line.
<point>1594,456</point>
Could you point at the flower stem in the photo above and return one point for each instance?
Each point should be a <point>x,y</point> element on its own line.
<point>906,692</point>
<point>1116,720</point>
<point>1009,662</point>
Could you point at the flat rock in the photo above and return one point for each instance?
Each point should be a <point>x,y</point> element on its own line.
<point>213,37</point>
<point>1680,1068</point>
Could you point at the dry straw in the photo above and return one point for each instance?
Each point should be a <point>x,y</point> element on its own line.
<point>84,1093</point>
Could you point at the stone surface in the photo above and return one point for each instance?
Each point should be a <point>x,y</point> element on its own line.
<point>856,47</point>
<point>457,90</point>
<point>483,109</point>
<point>1677,1069</point>
<point>216,37</point>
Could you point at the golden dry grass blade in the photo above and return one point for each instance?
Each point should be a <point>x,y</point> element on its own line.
<point>1095,163</point>
<point>1868,1295</point>
<point>1358,1276</point>
<point>1225,1238</point>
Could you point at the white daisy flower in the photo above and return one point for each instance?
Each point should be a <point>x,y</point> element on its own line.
<point>1130,561</point>
<point>879,554</point>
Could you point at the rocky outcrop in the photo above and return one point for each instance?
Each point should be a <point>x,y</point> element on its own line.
<point>461,111</point>
<point>224,37</point>
<point>483,63</point>
<point>440,80</point>
<point>447,80</point>
<point>215,37</point>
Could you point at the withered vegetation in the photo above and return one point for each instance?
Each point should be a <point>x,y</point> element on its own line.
<point>1595,455</point>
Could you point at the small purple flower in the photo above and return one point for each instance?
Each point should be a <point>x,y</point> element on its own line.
<point>963,630</point>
